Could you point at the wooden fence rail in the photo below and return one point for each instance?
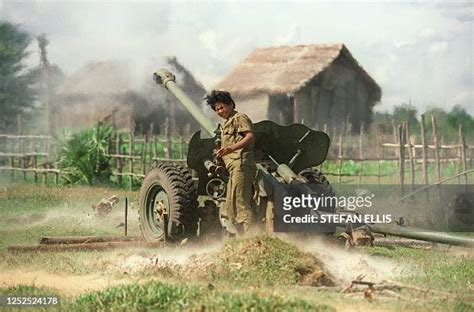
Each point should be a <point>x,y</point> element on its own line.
<point>131,156</point>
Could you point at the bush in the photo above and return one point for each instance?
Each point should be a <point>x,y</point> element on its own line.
<point>157,296</point>
<point>84,156</point>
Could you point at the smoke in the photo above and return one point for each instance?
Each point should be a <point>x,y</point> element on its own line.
<point>346,266</point>
<point>415,51</point>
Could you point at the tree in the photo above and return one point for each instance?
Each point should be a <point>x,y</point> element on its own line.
<point>405,113</point>
<point>17,93</point>
<point>458,116</point>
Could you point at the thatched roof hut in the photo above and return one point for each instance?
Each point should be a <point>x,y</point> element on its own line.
<point>320,83</point>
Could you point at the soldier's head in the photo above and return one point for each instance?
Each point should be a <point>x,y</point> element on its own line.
<point>221,102</point>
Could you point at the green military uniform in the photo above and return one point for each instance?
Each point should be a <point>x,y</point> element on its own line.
<point>242,169</point>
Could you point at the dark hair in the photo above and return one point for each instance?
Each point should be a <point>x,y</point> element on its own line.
<point>219,96</point>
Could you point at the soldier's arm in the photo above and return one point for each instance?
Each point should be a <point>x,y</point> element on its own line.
<point>248,138</point>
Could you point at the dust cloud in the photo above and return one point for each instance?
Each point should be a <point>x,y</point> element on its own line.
<point>348,265</point>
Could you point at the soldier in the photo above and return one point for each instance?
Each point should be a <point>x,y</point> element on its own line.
<point>237,153</point>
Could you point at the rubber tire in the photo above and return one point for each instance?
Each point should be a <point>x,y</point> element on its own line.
<point>177,183</point>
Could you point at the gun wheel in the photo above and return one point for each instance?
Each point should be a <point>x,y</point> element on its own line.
<point>168,204</point>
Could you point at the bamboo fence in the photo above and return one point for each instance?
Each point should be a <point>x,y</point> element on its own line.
<point>131,156</point>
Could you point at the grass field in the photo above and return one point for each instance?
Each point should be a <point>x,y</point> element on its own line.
<point>262,273</point>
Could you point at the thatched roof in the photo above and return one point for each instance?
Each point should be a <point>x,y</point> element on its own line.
<point>107,78</point>
<point>286,69</point>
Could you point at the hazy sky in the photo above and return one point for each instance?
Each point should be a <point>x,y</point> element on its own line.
<point>421,50</point>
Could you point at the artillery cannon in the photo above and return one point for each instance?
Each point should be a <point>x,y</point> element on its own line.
<point>174,204</point>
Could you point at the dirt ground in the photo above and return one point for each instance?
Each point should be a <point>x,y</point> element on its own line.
<point>419,277</point>
<point>69,285</point>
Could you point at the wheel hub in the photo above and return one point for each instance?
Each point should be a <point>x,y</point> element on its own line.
<point>159,207</point>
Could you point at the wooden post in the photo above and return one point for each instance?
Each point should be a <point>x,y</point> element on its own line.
<point>168,143</point>
<point>56,174</point>
<point>155,146</point>
<point>437,155</point>
<point>377,153</point>
<point>118,159</point>
<point>126,216</point>
<point>130,159</point>
<point>182,150</point>
<point>187,132</point>
<point>394,132</point>
<point>410,155</point>
<point>151,130</point>
<point>12,159</point>
<point>425,150</point>
<point>401,158</point>
<point>361,152</point>
<point>144,152</point>
<point>436,146</point>
<point>151,138</point>
<point>325,131</point>
<point>35,160</point>
<point>46,148</point>
<point>3,149</point>
<point>339,160</point>
<point>396,152</point>
<point>462,142</point>
<point>23,156</point>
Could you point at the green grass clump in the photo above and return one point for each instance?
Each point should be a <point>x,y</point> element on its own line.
<point>455,277</point>
<point>266,260</point>
<point>254,302</point>
<point>150,296</point>
<point>156,296</point>
<point>438,269</point>
<point>15,198</point>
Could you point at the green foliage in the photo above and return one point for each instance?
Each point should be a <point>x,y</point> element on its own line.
<point>400,114</point>
<point>255,302</point>
<point>85,158</point>
<point>459,116</point>
<point>446,274</point>
<point>24,199</point>
<point>157,296</point>
<point>17,92</point>
<point>406,113</point>
<point>438,269</point>
<point>151,296</point>
<point>447,122</point>
<point>252,261</point>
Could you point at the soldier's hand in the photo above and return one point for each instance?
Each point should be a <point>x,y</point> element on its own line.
<point>224,151</point>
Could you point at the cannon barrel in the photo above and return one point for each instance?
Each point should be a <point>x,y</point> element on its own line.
<point>165,78</point>
<point>420,234</point>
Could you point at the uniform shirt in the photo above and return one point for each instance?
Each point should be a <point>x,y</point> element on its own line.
<point>232,132</point>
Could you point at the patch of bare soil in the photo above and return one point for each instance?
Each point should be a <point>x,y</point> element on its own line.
<point>188,260</point>
<point>69,285</point>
